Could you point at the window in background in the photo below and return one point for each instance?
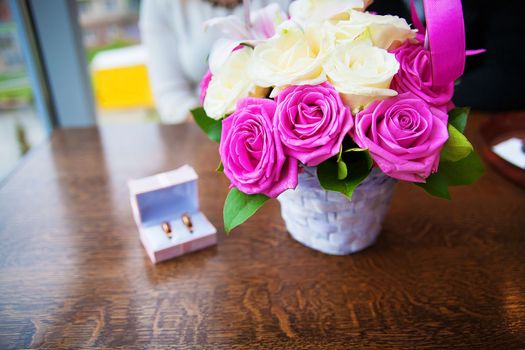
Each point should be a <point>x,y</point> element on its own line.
<point>117,61</point>
<point>20,127</point>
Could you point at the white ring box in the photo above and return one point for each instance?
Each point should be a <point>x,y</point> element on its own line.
<point>166,197</point>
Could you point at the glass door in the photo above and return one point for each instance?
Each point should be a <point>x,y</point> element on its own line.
<point>20,126</point>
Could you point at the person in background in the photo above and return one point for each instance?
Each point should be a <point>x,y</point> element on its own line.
<point>178,47</point>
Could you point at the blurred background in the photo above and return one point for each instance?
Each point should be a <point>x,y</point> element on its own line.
<point>74,63</point>
<point>115,62</point>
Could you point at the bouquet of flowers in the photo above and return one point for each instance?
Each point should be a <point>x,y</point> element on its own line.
<point>339,90</point>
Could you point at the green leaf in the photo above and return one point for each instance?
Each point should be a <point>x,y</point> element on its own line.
<point>457,146</point>
<point>240,206</point>
<point>210,126</point>
<point>462,172</point>
<point>342,170</point>
<point>369,161</point>
<point>220,167</point>
<point>436,185</point>
<point>358,165</point>
<point>458,118</point>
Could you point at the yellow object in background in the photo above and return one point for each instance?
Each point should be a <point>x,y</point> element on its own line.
<point>120,78</point>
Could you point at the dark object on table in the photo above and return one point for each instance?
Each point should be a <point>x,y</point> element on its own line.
<point>493,81</point>
<point>497,130</point>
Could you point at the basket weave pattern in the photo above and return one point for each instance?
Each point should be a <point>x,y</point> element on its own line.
<point>331,223</point>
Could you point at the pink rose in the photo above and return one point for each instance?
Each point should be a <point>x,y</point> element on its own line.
<point>204,86</point>
<point>415,75</point>
<point>404,136</point>
<point>311,121</point>
<point>251,152</point>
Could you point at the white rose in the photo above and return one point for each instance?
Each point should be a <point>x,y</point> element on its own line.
<point>229,84</point>
<point>307,11</point>
<point>385,32</point>
<point>361,72</point>
<point>295,55</point>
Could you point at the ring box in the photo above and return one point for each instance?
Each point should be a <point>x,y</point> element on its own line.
<point>165,197</point>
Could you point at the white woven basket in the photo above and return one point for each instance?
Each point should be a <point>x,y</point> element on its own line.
<point>331,223</point>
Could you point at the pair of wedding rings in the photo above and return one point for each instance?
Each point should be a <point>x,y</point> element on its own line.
<point>186,220</point>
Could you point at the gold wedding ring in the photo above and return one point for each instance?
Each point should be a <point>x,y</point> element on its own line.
<point>166,227</point>
<point>186,220</point>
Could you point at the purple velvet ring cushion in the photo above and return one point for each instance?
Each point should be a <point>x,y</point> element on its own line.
<point>166,197</point>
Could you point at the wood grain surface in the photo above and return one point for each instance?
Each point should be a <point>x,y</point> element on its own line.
<point>73,274</point>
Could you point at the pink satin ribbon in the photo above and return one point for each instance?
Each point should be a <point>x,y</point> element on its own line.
<point>444,36</point>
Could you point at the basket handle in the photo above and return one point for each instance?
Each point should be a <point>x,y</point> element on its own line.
<point>444,37</point>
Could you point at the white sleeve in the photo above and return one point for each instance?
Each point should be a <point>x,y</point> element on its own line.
<point>172,91</point>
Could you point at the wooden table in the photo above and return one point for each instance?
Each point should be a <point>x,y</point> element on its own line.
<point>73,273</point>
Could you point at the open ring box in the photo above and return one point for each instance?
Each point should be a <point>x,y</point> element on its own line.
<point>166,197</point>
